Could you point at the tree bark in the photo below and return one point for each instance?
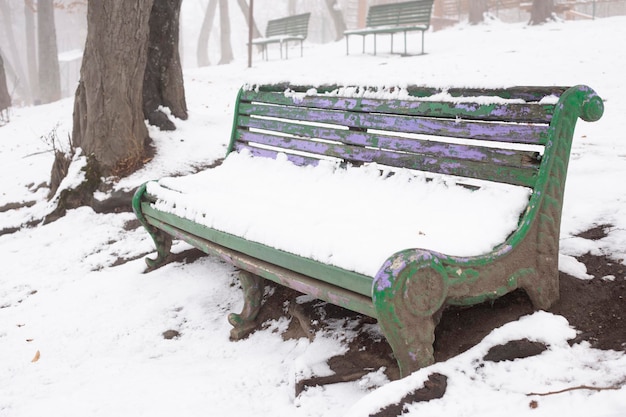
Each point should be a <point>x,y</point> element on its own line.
<point>477,9</point>
<point>202,53</point>
<point>5,97</point>
<point>49,72</point>
<point>163,80</point>
<point>108,106</point>
<point>541,12</point>
<point>226,49</point>
<point>337,16</point>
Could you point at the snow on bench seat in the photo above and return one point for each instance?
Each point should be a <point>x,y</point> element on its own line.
<point>353,218</point>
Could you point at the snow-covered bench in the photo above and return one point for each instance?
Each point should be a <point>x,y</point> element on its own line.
<point>392,18</point>
<point>284,30</point>
<point>392,202</point>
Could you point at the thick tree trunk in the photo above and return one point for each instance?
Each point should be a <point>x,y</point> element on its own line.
<point>541,11</point>
<point>226,49</point>
<point>163,80</point>
<point>5,97</point>
<point>108,107</point>
<point>337,16</point>
<point>477,9</point>
<point>202,53</point>
<point>49,73</point>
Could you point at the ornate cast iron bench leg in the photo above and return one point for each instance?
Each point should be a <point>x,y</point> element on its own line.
<point>244,322</point>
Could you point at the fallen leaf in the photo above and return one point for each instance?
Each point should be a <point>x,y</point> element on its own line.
<point>36,358</point>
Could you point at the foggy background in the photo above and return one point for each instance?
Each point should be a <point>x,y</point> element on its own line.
<point>71,29</point>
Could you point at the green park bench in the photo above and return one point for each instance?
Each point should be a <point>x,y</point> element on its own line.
<point>284,30</point>
<point>472,139</point>
<point>394,18</point>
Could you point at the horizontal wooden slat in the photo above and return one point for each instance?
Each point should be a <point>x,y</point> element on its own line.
<point>507,157</point>
<point>291,25</point>
<point>513,112</point>
<point>359,154</point>
<point>528,94</point>
<point>299,160</point>
<point>394,14</point>
<point>502,132</point>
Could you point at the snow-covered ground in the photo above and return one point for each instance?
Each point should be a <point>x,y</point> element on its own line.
<point>81,335</point>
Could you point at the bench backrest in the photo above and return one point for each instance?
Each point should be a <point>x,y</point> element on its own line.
<point>495,135</point>
<point>297,25</point>
<point>400,14</point>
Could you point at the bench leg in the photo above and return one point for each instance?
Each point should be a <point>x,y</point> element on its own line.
<point>374,44</point>
<point>162,240</point>
<point>392,42</point>
<point>408,294</point>
<point>405,43</point>
<point>163,243</point>
<point>244,322</point>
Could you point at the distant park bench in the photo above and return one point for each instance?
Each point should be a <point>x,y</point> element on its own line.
<point>284,30</point>
<point>393,18</point>
<point>305,234</point>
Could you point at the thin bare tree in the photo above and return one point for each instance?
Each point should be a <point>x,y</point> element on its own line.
<point>22,87</point>
<point>226,49</point>
<point>5,97</point>
<point>337,17</point>
<point>49,72</point>
<point>202,52</point>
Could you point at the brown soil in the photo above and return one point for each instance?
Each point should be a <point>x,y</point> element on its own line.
<point>595,307</point>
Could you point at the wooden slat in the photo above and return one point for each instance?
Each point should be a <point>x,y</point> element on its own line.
<point>528,94</point>
<point>298,160</point>
<point>405,13</point>
<point>513,112</point>
<point>507,157</point>
<point>291,25</point>
<point>449,166</point>
<point>502,132</point>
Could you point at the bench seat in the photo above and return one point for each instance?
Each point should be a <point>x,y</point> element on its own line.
<point>339,216</point>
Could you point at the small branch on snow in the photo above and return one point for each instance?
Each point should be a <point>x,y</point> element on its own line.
<point>588,387</point>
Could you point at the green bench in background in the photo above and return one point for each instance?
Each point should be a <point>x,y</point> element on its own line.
<point>284,30</point>
<point>393,18</point>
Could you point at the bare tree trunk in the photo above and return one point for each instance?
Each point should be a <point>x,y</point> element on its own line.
<point>477,9</point>
<point>49,72</point>
<point>108,106</point>
<point>202,53</point>
<point>541,12</point>
<point>31,49</point>
<point>335,13</point>
<point>226,50</point>
<point>163,80</point>
<point>5,97</point>
<point>245,9</point>
<point>21,82</point>
<point>291,7</point>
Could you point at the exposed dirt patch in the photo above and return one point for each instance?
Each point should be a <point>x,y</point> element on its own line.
<point>595,307</point>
